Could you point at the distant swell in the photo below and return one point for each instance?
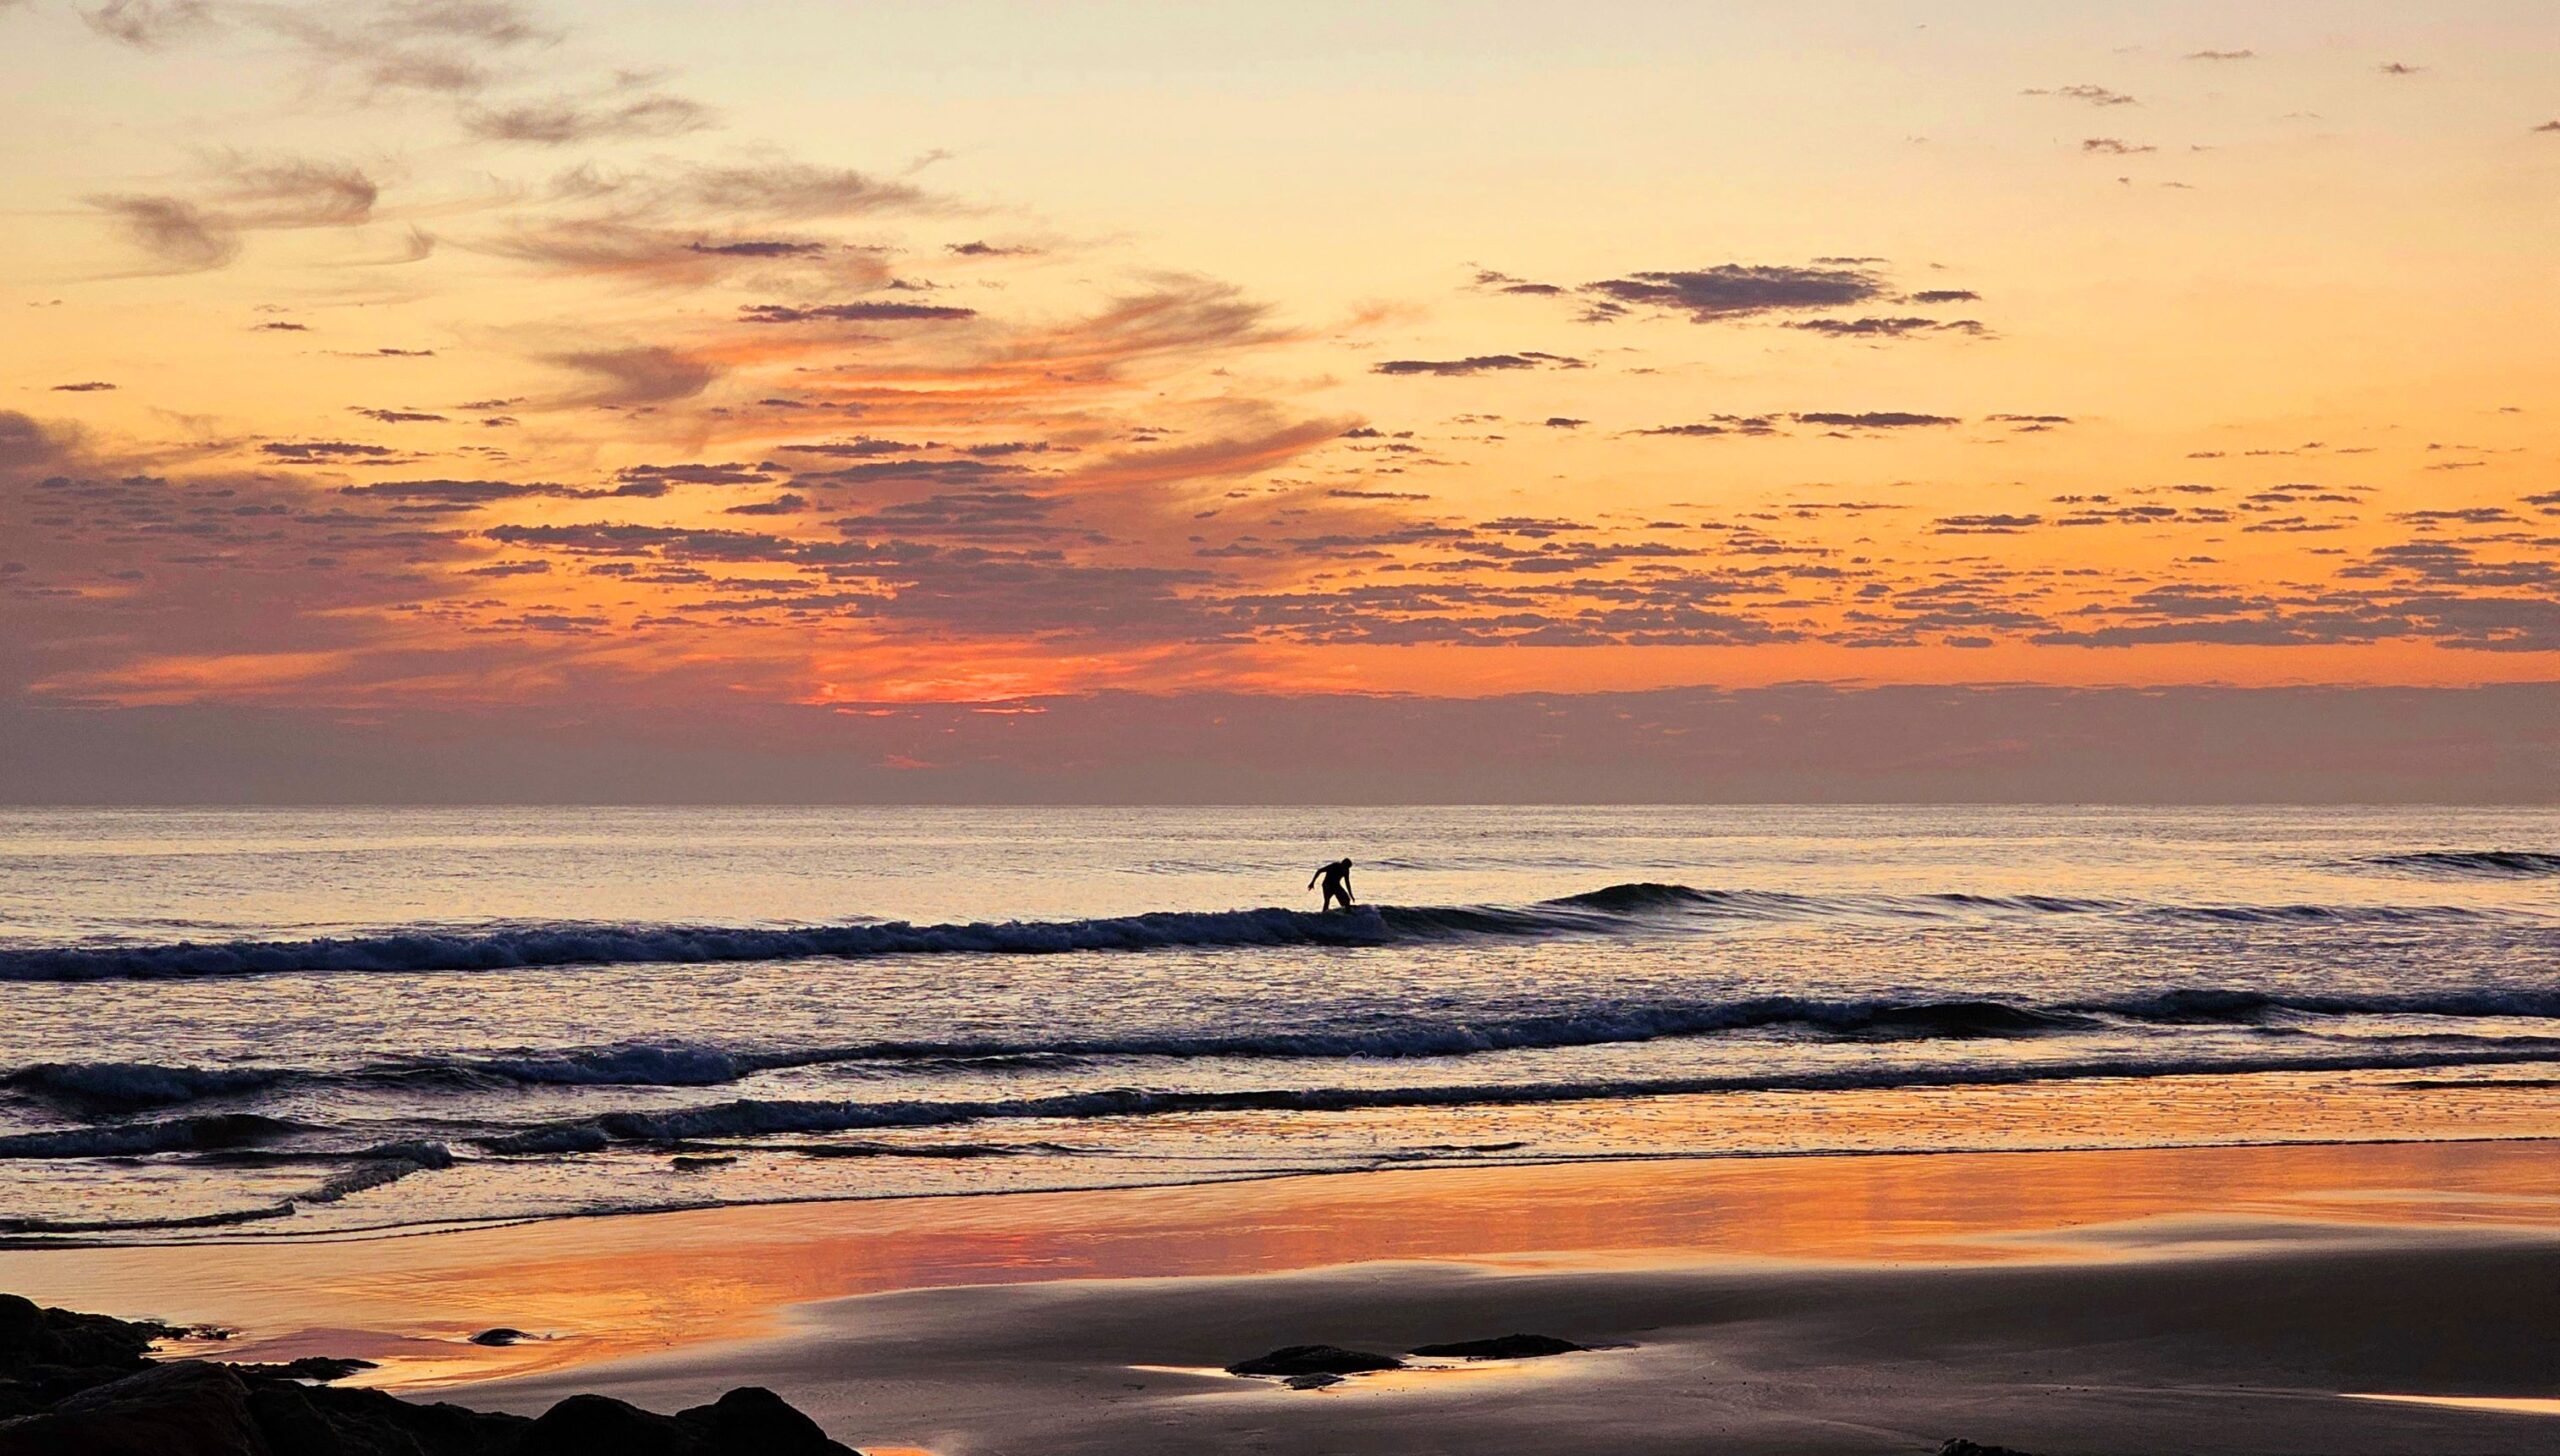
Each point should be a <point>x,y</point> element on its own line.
<point>623,945</point>
<point>752,1117</point>
<point>2236,1004</point>
<point>133,1086</point>
<point>2502,864</point>
<point>184,1134</point>
<point>371,1168</point>
<point>1613,910</point>
<point>111,1089</point>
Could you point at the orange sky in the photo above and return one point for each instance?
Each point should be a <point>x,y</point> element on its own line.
<point>438,352</point>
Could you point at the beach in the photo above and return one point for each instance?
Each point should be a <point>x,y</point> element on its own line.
<point>2058,1130</point>
<point>2231,1299</point>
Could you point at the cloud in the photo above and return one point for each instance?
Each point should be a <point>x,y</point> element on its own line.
<point>1874,420</point>
<point>440,495</point>
<point>2115,147</point>
<point>785,504</point>
<point>318,452</point>
<point>28,445</point>
<point>1945,295</point>
<point>2399,68</point>
<point>757,248</point>
<point>434,47</point>
<point>2094,95</point>
<point>782,191</point>
<point>562,121</point>
<point>1719,425</point>
<point>881,311</point>
<point>980,515</point>
<point>634,375</point>
<point>1886,328</point>
<point>1803,743</point>
<point>453,492</point>
<point>989,250</point>
<point>295,192</point>
<point>85,386</point>
<point>2549,126</point>
<point>181,236</point>
<point>2222,55</point>
<point>185,236</point>
<point>667,254</point>
<point>149,24</point>
<point>1735,290</point>
<point>1479,364</point>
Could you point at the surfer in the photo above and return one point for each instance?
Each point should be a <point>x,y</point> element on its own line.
<point>1337,883</point>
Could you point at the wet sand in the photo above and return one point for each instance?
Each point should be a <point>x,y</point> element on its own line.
<point>2203,1300</point>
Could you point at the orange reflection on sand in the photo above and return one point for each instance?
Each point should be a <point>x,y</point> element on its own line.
<point>594,1289</point>
<point>2517,1405</point>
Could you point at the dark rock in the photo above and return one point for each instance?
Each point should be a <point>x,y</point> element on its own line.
<point>33,1336</point>
<point>1311,1382</point>
<point>598,1425</point>
<point>320,1368</point>
<point>1500,1347</point>
<point>298,1421</point>
<point>185,1408</point>
<point>754,1419</point>
<point>1314,1360</point>
<point>82,1385</point>
<point>499,1336</point>
<point>691,1163</point>
<point>1959,1447</point>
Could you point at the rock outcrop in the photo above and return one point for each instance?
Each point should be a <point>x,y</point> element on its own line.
<point>86,1385</point>
<point>1500,1347</point>
<point>1298,1360</point>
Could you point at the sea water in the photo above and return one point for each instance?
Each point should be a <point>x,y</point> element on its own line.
<point>252,1023</point>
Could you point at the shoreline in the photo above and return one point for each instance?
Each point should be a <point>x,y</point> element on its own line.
<point>247,1238</point>
<point>603,1289</point>
<point>2239,1301</point>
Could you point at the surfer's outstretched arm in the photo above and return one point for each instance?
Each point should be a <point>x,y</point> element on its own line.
<point>1311,879</point>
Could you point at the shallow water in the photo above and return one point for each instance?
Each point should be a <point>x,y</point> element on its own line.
<point>245,1023</point>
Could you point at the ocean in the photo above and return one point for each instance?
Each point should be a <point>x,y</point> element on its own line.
<point>250,1024</point>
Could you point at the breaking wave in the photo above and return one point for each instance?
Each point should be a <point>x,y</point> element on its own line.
<point>133,1086</point>
<point>2502,864</point>
<point>132,1139</point>
<point>109,1089</point>
<point>755,1117</point>
<point>1612,910</point>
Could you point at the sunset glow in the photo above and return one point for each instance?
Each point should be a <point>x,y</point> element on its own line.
<point>455,354</point>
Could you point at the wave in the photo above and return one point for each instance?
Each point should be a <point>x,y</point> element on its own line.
<point>2490,863</point>
<point>377,1166</point>
<point>370,1168</point>
<point>110,1087</point>
<point>2193,1004</point>
<point>133,1086</point>
<point>569,945</point>
<point>1611,910</point>
<point>105,1089</point>
<point>757,1117</point>
<point>133,1139</point>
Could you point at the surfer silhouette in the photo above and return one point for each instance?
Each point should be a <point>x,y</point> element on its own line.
<point>1337,883</point>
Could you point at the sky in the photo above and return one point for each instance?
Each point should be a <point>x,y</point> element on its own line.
<point>446,398</point>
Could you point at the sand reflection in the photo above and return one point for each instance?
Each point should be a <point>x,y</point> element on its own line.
<point>595,1289</point>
